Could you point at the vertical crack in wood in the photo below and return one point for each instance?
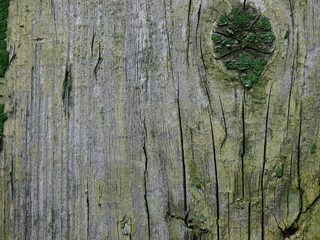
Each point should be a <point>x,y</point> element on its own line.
<point>92,43</point>
<point>243,142</point>
<point>225,125</point>
<point>145,175</point>
<point>88,211</point>
<point>249,210</point>
<point>298,164</point>
<point>210,113</point>
<point>202,57</point>
<point>264,165</point>
<point>288,189</point>
<point>182,152</point>
<point>11,178</point>
<point>229,215</point>
<point>188,31</point>
<point>95,70</point>
<point>66,90</point>
<point>215,171</point>
<point>198,22</point>
<point>293,61</point>
<point>244,5</point>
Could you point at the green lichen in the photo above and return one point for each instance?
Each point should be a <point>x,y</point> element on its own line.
<point>251,37</point>
<point>259,65</point>
<point>216,38</point>
<point>279,171</point>
<point>264,24</point>
<point>313,148</point>
<point>242,19</point>
<point>286,35</point>
<point>244,62</point>
<point>223,20</point>
<point>267,37</point>
<point>230,65</point>
<point>202,218</point>
<point>227,41</point>
<point>218,48</point>
<point>249,79</point>
<point>198,185</point>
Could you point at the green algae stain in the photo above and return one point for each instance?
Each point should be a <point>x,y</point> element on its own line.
<point>279,171</point>
<point>202,218</point>
<point>313,148</point>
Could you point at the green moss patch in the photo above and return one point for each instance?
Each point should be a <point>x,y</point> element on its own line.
<point>4,55</point>
<point>264,24</point>
<point>244,41</point>
<point>267,37</point>
<point>242,19</point>
<point>279,171</point>
<point>313,148</point>
<point>223,20</point>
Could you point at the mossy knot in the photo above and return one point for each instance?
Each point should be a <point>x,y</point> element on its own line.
<point>244,41</point>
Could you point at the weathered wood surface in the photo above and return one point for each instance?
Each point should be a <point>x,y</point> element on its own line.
<point>122,126</point>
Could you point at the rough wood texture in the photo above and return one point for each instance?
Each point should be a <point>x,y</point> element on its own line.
<point>122,125</point>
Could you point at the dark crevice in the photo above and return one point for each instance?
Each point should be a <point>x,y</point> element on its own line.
<point>95,70</point>
<point>244,5</point>
<point>189,225</point>
<point>189,31</point>
<point>66,90</point>
<point>293,225</point>
<point>198,22</point>
<point>229,214</point>
<point>92,43</point>
<point>88,212</point>
<point>288,190</point>
<point>229,53</point>
<point>145,185</point>
<point>264,165</point>
<point>223,34</point>
<point>13,56</point>
<point>182,153</point>
<point>215,171</point>
<point>298,163</point>
<point>257,50</point>
<point>293,61</point>
<point>249,212</point>
<point>210,113</point>
<point>288,232</point>
<point>202,58</point>
<point>249,219</point>
<point>243,141</point>
<point>11,179</point>
<point>290,93</point>
<point>100,196</point>
<point>225,125</point>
